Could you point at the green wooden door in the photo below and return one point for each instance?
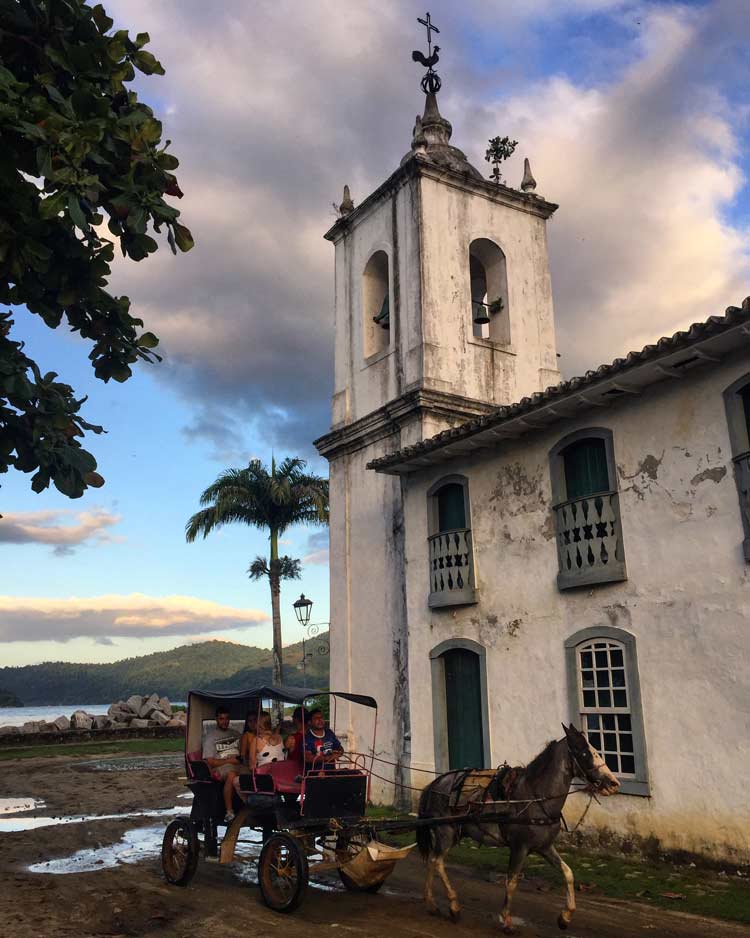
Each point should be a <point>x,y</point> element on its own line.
<point>463,700</point>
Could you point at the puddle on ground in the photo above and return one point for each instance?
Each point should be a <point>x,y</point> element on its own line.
<point>19,805</point>
<point>132,763</point>
<point>10,825</point>
<point>145,843</point>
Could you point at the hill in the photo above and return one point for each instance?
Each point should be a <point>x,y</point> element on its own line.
<point>213,665</point>
<point>8,700</point>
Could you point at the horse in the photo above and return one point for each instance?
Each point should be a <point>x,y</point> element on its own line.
<point>530,801</point>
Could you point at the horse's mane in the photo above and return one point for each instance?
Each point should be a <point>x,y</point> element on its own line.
<point>543,761</point>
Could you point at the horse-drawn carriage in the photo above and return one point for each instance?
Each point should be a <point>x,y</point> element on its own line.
<point>311,815</point>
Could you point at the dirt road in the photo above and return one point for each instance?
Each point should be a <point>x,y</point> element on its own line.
<point>100,876</point>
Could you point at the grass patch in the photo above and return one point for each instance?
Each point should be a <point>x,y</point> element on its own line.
<point>705,892</point>
<point>110,747</point>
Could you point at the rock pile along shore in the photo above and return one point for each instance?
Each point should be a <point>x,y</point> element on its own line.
<point>137,712</point>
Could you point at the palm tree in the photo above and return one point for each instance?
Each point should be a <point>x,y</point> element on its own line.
<point>272,501</point>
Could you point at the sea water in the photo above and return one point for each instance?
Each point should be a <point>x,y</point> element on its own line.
<point>17,716</point>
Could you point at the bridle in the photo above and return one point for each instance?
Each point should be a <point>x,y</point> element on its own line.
<point>580,771</point>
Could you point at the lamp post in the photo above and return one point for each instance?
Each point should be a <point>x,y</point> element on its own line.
<point>302,610</point>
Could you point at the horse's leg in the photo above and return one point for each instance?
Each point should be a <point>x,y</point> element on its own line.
<point>554,859</point>
<point>518,854</point>
<point>429,898</point>
<point>455,908</point>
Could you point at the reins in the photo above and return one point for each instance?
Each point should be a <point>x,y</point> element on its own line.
<point>474,813</point>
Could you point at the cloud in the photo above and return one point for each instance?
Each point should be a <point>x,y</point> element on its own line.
<point>224,434</point>
<point>645,171</point>
<point>317,548</point>
<point>49,527</point>
<point>271,119</point>
<point>101,617</point>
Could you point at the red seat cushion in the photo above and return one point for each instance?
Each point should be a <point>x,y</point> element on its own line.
<point>284,775</point>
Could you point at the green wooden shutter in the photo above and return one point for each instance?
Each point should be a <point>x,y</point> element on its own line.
<point>463,700</point>
<point>586,470</point>
<point>745,395</point>
<point>451,509</point>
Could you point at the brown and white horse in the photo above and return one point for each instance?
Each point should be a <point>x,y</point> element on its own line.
<point>533,801</point>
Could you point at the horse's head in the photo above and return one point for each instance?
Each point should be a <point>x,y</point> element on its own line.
<point>588,764</point>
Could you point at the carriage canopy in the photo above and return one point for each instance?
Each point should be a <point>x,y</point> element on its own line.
<point>202,704</point>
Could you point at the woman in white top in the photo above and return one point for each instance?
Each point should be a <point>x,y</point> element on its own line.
<point>268,745</point>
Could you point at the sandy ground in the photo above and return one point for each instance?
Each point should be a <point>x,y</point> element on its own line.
<point>130,897</point>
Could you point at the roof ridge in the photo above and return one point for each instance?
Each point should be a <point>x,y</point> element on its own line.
<point>665,345</point>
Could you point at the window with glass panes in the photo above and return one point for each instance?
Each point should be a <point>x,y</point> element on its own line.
<point>605,703</point>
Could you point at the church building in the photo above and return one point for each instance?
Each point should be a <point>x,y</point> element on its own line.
<point>510,550</point>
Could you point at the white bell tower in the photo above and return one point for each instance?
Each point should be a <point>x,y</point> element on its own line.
<point>443,312</point>
<point>418,262</point>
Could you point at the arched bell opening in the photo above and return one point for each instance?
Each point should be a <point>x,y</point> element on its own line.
<point>489,292</point>
<point>376,314</point>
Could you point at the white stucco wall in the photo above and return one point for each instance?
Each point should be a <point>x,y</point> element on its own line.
<point>686,601</point>
<point>455,361</point>
<point>425,225</point>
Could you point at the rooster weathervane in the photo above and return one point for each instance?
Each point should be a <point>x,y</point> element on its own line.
<point>431,82</point>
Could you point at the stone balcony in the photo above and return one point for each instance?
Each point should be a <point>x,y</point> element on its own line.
<point>589,541</point>
<point>451,568</point>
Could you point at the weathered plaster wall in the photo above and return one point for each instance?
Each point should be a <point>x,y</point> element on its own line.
<point>686,601</point>
<point>455,361</point>
<point>367,598</point>
<point>362,384</point>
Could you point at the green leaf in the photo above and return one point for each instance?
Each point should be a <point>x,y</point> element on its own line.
<point>148,340</point>
<point>76,212</point>
<point>183,237</point>
<point>147,63</point>
<point>54,94</point>
<point>121,373</point>
<point>40,481</point>
<point>103,22</point>
<point>44,161</point>
<point>142,39</point>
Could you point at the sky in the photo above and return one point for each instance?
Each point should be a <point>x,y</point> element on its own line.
<point>635,117</point>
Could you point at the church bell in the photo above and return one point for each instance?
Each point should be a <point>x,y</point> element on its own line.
<point>481,315</point>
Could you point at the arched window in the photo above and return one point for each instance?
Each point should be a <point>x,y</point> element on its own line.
<point>376,321</point>
<point>605,701</point>
<point>587,509</point>
<point>451,556</point>
<point>460,712</point>
<point>737,401</point>
<point>489,291</point>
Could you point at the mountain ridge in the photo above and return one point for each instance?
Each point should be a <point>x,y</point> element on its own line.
<point>211,665</point>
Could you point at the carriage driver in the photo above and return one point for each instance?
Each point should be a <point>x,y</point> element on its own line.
<point>221,750</point>
<point>322,747</point>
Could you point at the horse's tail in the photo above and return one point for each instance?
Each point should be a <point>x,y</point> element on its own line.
<point>425,832</point>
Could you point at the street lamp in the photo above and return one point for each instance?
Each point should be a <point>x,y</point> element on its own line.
<point>302,609</point>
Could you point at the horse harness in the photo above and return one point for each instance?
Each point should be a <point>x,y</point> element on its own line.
<point>474,790</point>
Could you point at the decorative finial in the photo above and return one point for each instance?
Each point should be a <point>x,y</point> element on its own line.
<point>499,149</point>
<point>431,82</point>
<point>347,205</point>
<point>528,183</point>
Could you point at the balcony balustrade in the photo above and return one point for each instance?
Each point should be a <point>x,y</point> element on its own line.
<point>589,540</point>
<point>451,568</point>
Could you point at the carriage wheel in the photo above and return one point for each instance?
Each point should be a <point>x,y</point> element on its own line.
<point>179,852</point>
<point>282,873</point>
